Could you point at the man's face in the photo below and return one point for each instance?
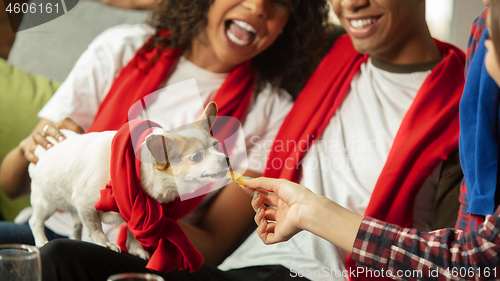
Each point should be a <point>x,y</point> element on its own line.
<point>379,27</point>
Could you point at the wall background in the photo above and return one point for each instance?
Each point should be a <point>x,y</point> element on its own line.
<point>450,20</point>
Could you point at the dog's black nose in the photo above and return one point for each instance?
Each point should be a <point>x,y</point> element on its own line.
<point>224,159</point>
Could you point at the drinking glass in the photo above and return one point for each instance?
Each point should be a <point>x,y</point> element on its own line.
<point>19,262</point>
<point>135,277</point>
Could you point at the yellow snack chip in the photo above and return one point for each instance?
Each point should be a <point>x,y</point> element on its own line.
<point>236,177</point>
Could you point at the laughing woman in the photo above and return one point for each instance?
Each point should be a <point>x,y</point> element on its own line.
<point>238,51</point>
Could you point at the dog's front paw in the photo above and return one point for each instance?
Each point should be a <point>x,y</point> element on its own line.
<point>140,253</point>
<point>113,247</point>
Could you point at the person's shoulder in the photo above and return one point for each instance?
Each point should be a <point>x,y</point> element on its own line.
<point>124,31</point>
<point>133,35</point>
<point>273,100</point>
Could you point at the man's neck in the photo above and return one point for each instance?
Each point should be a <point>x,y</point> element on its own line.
<point>404,68</point>
<point>420,48</point>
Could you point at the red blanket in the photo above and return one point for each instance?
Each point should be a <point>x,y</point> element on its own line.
<point>428,134</point>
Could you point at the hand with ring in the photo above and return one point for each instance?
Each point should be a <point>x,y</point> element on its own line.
<point>51,130</point>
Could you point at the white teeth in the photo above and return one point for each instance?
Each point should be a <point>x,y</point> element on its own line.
<point>245,26</point>
<point>235,39</point>
<point>361,23</point>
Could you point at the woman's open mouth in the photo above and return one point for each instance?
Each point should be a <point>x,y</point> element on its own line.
<point>240,32</point>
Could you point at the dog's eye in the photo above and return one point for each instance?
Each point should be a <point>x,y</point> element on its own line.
<point>216,146</point>
<point>197,157</point>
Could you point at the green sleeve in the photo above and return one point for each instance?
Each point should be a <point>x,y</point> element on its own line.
<point>22,95</point>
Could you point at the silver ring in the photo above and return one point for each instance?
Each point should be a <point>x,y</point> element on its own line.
<point>45,128</point>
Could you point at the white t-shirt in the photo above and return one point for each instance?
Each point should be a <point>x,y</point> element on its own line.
<point>344,165</point>
<point>88,83</point>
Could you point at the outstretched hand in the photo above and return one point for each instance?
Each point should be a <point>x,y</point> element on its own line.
<point>295,208</point>
<point>287,202</point>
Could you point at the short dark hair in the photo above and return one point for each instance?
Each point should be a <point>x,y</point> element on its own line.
<point>290,58</point>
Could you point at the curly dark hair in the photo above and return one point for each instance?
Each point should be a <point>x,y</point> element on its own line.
<point>287,63</point>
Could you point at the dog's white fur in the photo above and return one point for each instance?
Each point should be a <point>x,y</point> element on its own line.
<point>70,175</point>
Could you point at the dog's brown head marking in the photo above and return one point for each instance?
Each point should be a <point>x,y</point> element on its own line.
<point>157,145</point>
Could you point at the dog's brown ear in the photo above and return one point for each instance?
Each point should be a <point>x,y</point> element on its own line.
<point>208,117</point>
<point>157,145</point>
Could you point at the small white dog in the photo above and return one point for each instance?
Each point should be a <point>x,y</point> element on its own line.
<point>70,175</point>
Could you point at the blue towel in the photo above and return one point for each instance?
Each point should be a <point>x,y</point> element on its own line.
<point>479,135</point>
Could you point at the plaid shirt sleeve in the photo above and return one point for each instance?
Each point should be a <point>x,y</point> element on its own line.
<point>445,254</point>
<point>466,221</point>
<point>476,32</point>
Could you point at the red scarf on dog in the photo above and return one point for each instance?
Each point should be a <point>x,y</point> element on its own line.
<point>428,133</point>
<point>156,225</point>
<point>139,78</point>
